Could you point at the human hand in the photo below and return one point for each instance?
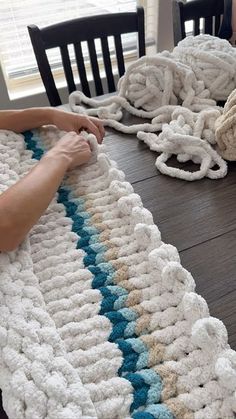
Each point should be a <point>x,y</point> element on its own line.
<point>67,121</point>
<point>72,149</point>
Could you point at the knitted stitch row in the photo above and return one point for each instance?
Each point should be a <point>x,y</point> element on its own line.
<point>98,319</point>
<point>199,71</point>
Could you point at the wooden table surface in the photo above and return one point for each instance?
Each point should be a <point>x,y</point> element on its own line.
<point>199,218</point>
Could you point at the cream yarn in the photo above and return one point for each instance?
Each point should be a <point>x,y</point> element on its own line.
<point>226,129</point>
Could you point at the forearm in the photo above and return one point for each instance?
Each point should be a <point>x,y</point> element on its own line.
<point>22,120</point>
<point>23,204</point>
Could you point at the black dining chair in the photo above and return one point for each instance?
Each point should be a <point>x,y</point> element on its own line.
<point>2,412</point>
<point>216,15</point>
<point>86,29</point>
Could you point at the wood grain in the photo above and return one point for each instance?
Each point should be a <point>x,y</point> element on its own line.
<point>189,213</point>
<point>132,156</point>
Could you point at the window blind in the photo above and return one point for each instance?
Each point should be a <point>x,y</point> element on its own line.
<point>17,58</point>
<point>16,53</point>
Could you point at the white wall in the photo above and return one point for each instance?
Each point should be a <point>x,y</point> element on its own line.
<point>165,26</point>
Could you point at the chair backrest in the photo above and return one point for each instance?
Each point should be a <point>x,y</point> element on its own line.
<point>85,29</point>
<point>211,11</point>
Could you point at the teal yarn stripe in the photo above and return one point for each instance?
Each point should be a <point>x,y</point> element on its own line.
<point>146,383</point>
<point>31,144</point>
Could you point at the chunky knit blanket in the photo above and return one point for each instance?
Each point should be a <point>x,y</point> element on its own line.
<point>176,93</point>
<point>98,319</point>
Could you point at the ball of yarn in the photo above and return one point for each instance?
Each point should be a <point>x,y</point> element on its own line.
<point>152,84</point>
<point>225,129</point>
<point>206,43</point>
<point>213,61</point>
<point>159,80</point>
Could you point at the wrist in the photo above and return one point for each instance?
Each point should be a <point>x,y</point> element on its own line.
<point>58,157</point>
<point>52,116</point>
<point>38,116</point>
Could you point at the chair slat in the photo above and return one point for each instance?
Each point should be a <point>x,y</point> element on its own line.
<point>43,65</point>
<point>67,68</point>
<point>141,34</point>
<point>196,27</point>
<point>208,25</point>
<point>107,64</point>
<point>217,24</point>
<point>180,6</point>
<point>119,55</point>
<point>226,30</point>
<point>211,11</point>
<point>95,68</point>
<point>81,69</point>
<point>75,32</point>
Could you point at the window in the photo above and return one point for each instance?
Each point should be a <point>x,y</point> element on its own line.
<point>16,53</point>
<point>189,24</point>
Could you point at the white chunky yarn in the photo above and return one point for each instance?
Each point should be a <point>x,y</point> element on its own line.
<point>55,358</point>
<point>199,71</point>
<point>149,87</point>
<point>188,136</point>
<point>36,377</point>
<point>213,60</point>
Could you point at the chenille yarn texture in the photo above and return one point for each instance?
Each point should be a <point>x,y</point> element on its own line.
<point>98,319</point>
<point>226,129</point>
<point>177,92</point>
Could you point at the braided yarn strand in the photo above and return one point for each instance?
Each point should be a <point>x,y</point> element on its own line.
<point>98,317</point>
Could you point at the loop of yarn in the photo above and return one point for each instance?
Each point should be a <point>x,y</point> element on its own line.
<point>94,147</point>
<point>210,334</point>
<point>127,203</point>
<point>186,136</point>
<point>148,85</point>
<point>98,316</point>
<point>186,82</point>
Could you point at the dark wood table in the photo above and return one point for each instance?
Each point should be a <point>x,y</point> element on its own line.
<point>199,218</point>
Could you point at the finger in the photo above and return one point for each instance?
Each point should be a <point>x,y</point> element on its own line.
<point>84,143</point>
<point>99,125</point>
<point>71,134</point>
<point>86,154</point>
<point>93,129</point>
